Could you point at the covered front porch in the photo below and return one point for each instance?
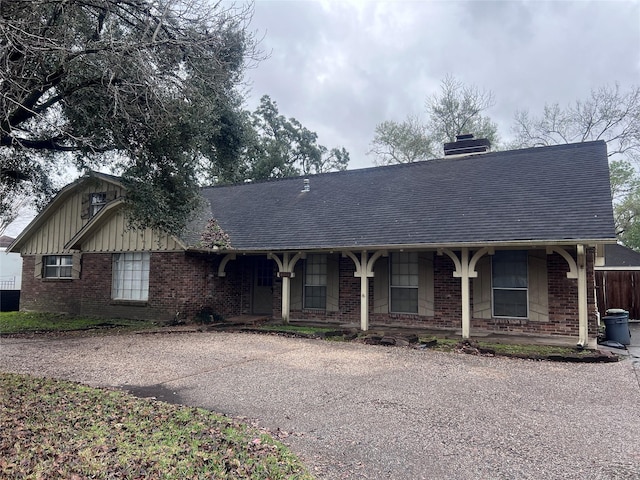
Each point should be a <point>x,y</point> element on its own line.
<point>444,289</point>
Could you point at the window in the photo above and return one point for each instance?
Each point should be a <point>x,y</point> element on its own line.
<point>404,282</point>
<point>98,201</point>
<point>58,266</point>
<point>130,276</point>
<point>315,282</point>
<point>510,283</point>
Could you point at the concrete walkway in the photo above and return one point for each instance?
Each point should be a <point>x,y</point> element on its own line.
<point>353,411</point>
<point>633,349</point>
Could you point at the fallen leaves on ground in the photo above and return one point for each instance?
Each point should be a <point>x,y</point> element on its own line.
<point>57,429</point>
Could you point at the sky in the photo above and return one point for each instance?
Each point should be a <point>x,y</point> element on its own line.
<point>342,67</point>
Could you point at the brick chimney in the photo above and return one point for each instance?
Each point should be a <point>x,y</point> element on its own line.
<point>466,145</point>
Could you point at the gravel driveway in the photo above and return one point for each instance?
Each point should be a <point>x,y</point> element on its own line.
<point>353,411</point>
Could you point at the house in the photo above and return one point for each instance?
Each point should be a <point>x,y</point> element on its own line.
<point>477,241</point>
<point>618,280</point>
<point>10,276</point>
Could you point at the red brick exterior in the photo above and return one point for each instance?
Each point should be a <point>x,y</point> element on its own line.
<point>182,285</point>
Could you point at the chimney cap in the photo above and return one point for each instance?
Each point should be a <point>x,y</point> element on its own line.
<point>464,136</point>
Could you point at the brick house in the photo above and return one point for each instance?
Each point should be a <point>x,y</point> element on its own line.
<point>477,241</point>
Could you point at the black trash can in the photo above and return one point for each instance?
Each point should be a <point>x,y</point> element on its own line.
<point>616,324</point>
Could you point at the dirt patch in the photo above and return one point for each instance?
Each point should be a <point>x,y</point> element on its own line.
<point>156,392</point>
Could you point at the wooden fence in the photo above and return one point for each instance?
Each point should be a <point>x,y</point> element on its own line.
<point>618,289</point>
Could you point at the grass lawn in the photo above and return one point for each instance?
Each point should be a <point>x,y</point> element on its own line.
<point>59,429</point>
<point>33,322</point>
<point>306,330</point>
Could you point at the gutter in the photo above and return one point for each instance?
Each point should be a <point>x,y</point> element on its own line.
<point>529,244</point>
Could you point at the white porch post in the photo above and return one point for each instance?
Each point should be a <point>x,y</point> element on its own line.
<point>364,271</point>
<point>583,313</point>
<point>364,294</point>
<point>286,291</point>
<point>465,269</point>
<point>578,270</point>
<point>466,297</point>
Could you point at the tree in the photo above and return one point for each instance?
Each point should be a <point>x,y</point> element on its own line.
<point>625,190</point>
<point>609,114</point>
<point>141,86</point>
<point>12,207</point>
<point>456,110</point>
<point>280,147</point>
<point>404,142</point>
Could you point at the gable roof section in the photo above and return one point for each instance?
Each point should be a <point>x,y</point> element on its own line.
<point>548,194</point>
<point>620,257</point>
<point>57,201</point>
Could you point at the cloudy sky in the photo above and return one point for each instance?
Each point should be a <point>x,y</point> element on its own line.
<point>342,67</point>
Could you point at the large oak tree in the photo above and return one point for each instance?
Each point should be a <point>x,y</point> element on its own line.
<point>147,87</point>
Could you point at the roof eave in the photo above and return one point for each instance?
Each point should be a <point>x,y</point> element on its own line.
<point>415,246</point>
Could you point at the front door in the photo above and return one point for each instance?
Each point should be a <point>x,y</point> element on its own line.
<point>263,287</point>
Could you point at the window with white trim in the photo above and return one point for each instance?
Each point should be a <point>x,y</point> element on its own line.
<point>57,266</point>
<point>130,276</point>
<point>404,282</point>
<point>315,281</point>
<point>97,202</point>
<point>510,284</point>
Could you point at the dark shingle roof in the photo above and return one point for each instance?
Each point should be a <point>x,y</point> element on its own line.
<point>620,256</point>
<point>5,241</point>
<point>548,193</point>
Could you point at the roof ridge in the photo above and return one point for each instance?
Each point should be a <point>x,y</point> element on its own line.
<point>437,160</point>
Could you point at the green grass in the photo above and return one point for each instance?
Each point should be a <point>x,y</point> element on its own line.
<point>32,322</point>
<point>59,429</point>
<point>507,349</point>
<point>531,350</point>
<point>306,330</point>
<point>443,344</point>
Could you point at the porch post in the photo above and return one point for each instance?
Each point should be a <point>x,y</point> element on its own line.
<point>583,313</point>
<point>364,270</point>
<point>464,270</point>
<point>286,289</point>
<point>364,293</point>
<point>466,297</point>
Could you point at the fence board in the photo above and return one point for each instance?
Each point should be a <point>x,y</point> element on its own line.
<point>619,289</point>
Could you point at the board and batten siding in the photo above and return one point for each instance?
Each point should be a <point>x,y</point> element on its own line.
<point>114,236</point>
<point>66,221</point>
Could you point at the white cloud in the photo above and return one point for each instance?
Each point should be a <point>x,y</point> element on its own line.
<point>343,67</point>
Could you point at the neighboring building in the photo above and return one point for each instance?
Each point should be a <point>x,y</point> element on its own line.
<point>10,276</point>
<point>618,280</point>
<point>503,241</point>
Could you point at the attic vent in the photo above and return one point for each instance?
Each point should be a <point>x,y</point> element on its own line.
<point>466,144</point>
<point>305,186</point>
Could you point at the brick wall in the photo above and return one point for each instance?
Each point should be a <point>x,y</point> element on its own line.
<point>180,285</point>
<point>563,303</point>
<point>184,284</point>
<point>48,295</point>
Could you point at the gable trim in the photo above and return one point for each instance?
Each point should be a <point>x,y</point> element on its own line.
<point>94,224</point>
<point>54,204</point>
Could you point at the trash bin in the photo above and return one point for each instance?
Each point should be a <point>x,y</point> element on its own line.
<point>616,324</point>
